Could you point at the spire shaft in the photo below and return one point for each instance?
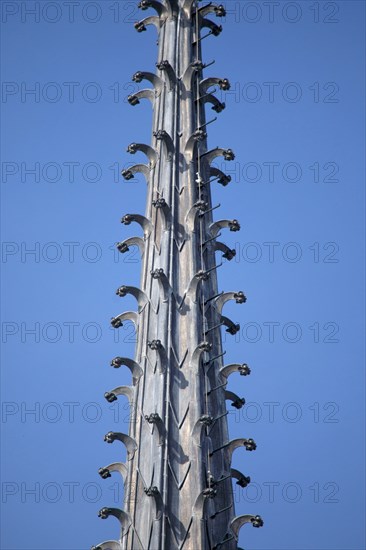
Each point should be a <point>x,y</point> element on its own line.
<point>178,485</point>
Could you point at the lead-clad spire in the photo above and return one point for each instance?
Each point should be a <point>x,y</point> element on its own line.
<point>176,459</point>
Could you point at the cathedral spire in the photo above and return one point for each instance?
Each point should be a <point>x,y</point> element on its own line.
<point>176,465</point>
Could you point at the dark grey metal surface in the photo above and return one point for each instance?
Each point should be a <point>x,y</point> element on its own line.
<point>177,471</point>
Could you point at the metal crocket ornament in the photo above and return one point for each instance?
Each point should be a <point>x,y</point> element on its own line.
<point>177,473</point>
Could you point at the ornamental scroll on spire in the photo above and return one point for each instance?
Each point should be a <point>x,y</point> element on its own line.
<point>175,462</point>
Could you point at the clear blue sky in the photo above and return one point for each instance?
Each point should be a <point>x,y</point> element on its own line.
<point>296,123</point>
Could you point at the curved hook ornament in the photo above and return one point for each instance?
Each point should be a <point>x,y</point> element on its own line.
<point>162,135</point>
<point>146,224</point>
<point>156,420</point>
<point>232,328</point>
<point>215,228</point>
<point>242,480</point>
<point>151,153</point>
<point>134,367</point>
<point>154,493</point>
<point>128,391</point>
<point>242,369</point>
<point>202,423</point>
<point>218,107</point>
<point>222,178</point>
<point>192,290</point>
<point>235,527</point>
<point>197,209</point>
<point>140,26</point>
<point>124,246</point>
<point>228,253</point>
<point>157,346</point>
<point>123,518</point>
<point>230,447</point>
<point>155,80</point>
<point>228,154</point>
<point>221,300</point>
<point>218,10</point>
<point>238,522</point>
<point>165,288</point>
<point>199,506</point>
<point>192,69</point>
<point>119,467</point>
<point>129,173</point>
<point>203,347</point>
<point>192,143</point>
<point>108,545</point>
<point>215,29</point>
<point>129,442</point>
<point>117,322</point>
<point>165,66</point>
<point>207,83</point>
<point>249,445</point>
<point>135,99</point>
<point>142,299</point>
<point>162,205</point>
<point>236,401</point>
<point>187,7</point>
<point>162,10</point>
